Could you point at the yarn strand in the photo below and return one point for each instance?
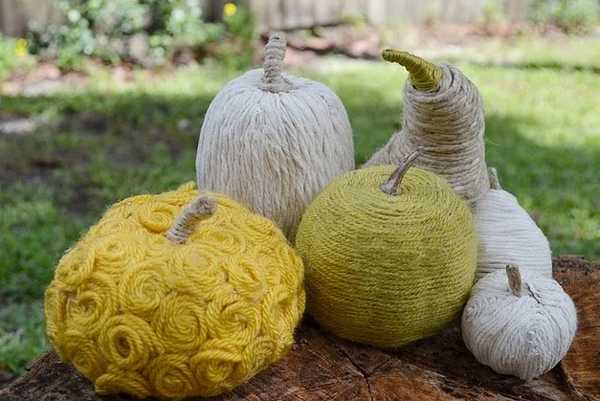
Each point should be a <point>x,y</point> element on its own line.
<point>391,186</point>
<point>273,79</point>
<point>200,209</point>
<point>424,75</point>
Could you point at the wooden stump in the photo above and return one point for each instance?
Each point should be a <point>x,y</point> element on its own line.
<point>323,367</point>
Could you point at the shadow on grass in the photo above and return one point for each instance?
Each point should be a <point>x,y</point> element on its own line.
<point>558,184</point>
<point>139,144</point>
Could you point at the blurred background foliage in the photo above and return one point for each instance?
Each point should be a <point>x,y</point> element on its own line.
<point>145,32</point>
<point>107,99</point>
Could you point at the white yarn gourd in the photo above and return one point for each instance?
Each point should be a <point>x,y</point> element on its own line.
<point>272,141</point>
<point>508,235</point>
<point>520,328</point>
<point>443,118</point>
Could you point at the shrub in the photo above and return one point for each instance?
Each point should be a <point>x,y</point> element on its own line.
<point>571,16</point>
<point>146,32</point>
<point>14,54</point>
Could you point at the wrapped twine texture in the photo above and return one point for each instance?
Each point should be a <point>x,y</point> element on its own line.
<point>272,141</point>
<point>508,235</point>
<point>194,314</point>
<point>386,269</point>
<point>519,330</point>
<point>447,125</point>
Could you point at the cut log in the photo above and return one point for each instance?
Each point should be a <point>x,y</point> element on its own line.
<point>323,367</point>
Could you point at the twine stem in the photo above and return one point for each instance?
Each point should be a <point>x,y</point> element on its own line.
<point>514,280</point>
<point>193,213</point>
<point>493,176</point>
<point>392,184</point>
<point>273,79</point>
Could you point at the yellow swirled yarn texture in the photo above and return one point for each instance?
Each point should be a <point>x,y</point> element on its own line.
<point>387,269</point>
<point>138,314</point>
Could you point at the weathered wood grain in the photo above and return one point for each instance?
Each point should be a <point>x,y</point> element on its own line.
<point>440,368</point>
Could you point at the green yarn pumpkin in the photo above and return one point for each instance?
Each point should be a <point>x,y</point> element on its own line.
<point>387,264</point>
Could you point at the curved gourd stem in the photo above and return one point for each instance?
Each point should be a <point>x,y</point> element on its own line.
<point>392,184</point>
<point>193,213</point>
<point>515,283</point>
<point>273,79</point>
<point>493,177</point>
<point>424,75</point>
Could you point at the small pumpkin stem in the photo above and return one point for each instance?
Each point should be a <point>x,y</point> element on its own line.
<point>514,280</point>
<point>193,213</point>
<point>423,74</point>
<point>392,184</point>
<point>273,79</point>
<point>493,176</point>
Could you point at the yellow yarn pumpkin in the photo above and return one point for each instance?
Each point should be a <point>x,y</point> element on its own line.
<point>387,268</point>
<point>140,313</point>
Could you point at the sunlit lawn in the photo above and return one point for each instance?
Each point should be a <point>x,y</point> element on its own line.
<point>111,140</point>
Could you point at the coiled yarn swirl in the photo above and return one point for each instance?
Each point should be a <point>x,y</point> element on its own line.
<point>387,269</point>
<point>137,313</point>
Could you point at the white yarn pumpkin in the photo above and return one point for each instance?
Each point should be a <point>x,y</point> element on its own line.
<point>508,235</point>
<point>272,141</point>
<point>518,328</point>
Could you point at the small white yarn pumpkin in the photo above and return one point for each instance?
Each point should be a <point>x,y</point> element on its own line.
<point>519,328</point>
<point>508,235</point>
<point>272,141</point>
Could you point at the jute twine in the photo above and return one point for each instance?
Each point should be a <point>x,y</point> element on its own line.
<point>521,326</point>
<point>273,79</point>
<point>508,235</point>
<point>272,141</point>
<point>196,313</point>
<point>446,123</point>
<point>387,264</point>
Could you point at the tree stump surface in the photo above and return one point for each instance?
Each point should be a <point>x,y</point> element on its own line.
<point>323,367</point>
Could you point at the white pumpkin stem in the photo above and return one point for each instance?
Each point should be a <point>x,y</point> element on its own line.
<point>392,184</point>
<point>194,212</point>
<point>493,177</point>
<point>273,79</point>
<point>514,280</point>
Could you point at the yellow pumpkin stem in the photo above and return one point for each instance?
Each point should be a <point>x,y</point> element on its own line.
<point>423,74</point>
<point>200,209</point>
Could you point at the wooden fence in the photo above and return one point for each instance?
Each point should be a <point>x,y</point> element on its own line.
<point>16,15</point>
<point>290,14</point>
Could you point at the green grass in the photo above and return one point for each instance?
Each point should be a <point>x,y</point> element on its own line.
<point>110,141</point>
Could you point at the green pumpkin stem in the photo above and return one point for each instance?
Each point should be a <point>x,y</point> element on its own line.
<point>423,74</point>
<point>194,212</point>
<point>392,185</point>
